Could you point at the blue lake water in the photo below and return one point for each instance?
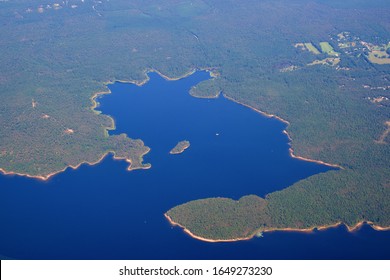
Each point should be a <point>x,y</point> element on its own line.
<point>106,212</point>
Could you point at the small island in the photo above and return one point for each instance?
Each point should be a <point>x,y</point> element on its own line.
<point>180,147</point>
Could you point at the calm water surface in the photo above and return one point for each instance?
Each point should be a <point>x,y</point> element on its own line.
<point>105,212</point>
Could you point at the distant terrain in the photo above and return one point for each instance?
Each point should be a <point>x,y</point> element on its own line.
<point>320,65</point>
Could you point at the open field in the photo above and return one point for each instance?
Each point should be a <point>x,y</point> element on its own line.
<point>327,48</point>
<point>379,57</point>
<point>312,48</point>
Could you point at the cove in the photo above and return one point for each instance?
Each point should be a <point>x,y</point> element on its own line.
<point>106,212</point>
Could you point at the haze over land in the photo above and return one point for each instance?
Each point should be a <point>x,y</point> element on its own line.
<point>322,66</point>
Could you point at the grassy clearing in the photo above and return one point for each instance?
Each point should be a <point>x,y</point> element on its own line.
<point>377,54</point>
<point>327,48</point>
<point>379,57</point>
<point>312,48</point>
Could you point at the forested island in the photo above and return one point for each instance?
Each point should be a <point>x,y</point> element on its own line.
<point>180,147</point>
<point>57,57</point>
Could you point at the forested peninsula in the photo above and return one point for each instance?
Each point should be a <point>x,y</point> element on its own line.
<point>336,99</point>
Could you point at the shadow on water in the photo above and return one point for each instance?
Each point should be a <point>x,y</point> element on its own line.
<point>105,212</point>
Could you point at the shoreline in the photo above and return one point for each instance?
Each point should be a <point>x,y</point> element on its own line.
<point>354,228</point>
<point>305,230</point>
<point>74,167</point>
<point>173,223</point>
<point>256,110</point>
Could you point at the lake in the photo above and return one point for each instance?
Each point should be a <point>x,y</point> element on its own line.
<point>106,212</point>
